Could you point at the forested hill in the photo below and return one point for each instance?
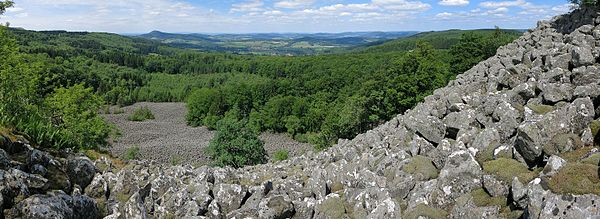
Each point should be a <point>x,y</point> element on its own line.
<point>275,43</point>
<point>316,99</point>
<point>438,39</point>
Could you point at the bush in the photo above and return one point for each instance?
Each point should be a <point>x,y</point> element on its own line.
<point>141,114</point>
<point>132,153</point>
<point>74,111</point>
<point>280,155</point>
<point>235,145</point>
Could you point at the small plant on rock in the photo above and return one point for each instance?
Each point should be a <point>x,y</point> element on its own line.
<point>280,155</point>
<point>141,114</point>
<point>132,153</point>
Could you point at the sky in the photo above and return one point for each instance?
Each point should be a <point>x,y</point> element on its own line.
<point>259,16</point>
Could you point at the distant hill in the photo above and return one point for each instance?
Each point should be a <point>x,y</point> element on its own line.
<point>275,43</point>
<point>438,39</point>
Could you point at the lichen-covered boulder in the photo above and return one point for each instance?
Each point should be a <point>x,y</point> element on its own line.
<point>81,171</point>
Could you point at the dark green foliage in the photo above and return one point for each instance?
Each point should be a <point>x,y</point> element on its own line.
<point>235,145</point>
<point>74,112</point>
<point>141,114</point>
<point>585,3</point>
<point>280,155</point>
<point>4,5</point>
<point>438,39</point>
<point>474,47</point>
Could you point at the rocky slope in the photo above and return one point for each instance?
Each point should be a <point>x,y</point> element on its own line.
<point>514,136</point>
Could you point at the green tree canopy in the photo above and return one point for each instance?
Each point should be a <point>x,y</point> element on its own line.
<point>235,144</point>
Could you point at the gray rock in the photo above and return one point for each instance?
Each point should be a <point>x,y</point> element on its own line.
<point>332,206</point>
<point>38,157</point>
<point>554,164</point>
<point>555,92</point>
<point>81,171</point>
<point>431,128</point>
<point>460,176</point>
<point>56,205</point>
<point>304,208</point>
<point>277,206</point>
<point>39,169</point>
<point>84,207</point>
<point>582,56</point>
<point>4,160</point>
<point>586,75</point>
<point>460,121</point>
<point>529,141</point>
<point>229,196</point>
<point>494,186</point>
<point>466,208</point>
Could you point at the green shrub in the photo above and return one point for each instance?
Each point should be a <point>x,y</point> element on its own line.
<point>235,145</point>
<point>280,155</point>
<point>141,114</point>
<point>74,111</point>
<point>132,153</point>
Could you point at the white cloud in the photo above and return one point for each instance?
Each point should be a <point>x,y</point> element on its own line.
<point>248,6</point>
<point>15,9</point>
<point>444,15</point>
<point>454,2</point>
<point>499,10</point>
<point>516,3</point>
<point>274,12</point>
<point>402,5</point>
<point>294,3</point>
<point>564,8</point>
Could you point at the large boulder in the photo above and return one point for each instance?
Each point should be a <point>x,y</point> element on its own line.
<point>229,196</point>
<point>57,205</point>
<point>276,207</point>
<point>81,171</point>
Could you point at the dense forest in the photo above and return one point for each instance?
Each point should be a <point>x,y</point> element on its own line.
<point>315,99</point>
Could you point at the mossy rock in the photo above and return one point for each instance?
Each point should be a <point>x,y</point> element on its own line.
<point>421,166</point>
<point>487,153</point>
<point>58,179</point>
<point>333,207</point>
<point>540,108</point>
<point>562,143</point>
<point>576,155</point>
<point>102,208</point>
<point>423,210</point>
<point>507,169</point>
<point>576,178</point>
<point>592,160</point>
<point>595,127</point>
<point>336,186</point>
<point>481,198</point>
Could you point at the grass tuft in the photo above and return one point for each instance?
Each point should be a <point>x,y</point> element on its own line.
<point>281,155</point>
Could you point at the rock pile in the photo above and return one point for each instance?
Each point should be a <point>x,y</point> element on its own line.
<point>35,184</point>
<point>503,140</point>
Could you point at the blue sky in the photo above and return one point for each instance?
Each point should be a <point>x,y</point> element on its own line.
<point>243,16</point>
